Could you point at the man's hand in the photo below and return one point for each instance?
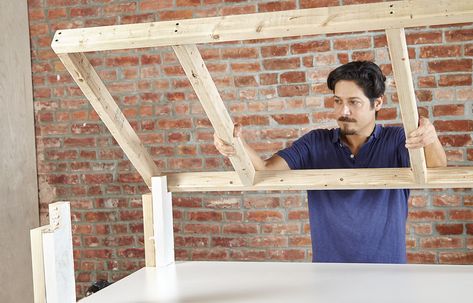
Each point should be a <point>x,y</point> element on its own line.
<point>423,136</point>
<point>226,148</point>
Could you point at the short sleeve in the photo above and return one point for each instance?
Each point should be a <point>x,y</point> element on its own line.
<point>298,155</point>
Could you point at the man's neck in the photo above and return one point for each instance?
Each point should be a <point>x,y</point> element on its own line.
<point>354,142</point>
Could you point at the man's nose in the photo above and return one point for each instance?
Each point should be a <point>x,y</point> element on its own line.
<point>345,110</point>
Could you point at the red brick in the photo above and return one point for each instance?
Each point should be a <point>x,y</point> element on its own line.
<point>293,77</point>
<point>265,216</point>
<point>456,258</point>
<point>318,3</point>
<point>252,120</point>
<point>242,81</point>
<point>268,79</point>
<point>276,6</point>
<point>421,257</point>
<point>351,43</point>
<point>310,47</point>
<point>274,50</point>
<point>201,228</point>
<point>121,8</point>
<point>449,229</point>
<point>238,10</point>
<point>293,90</point>
<point>187,2</point>
<point>456,140</point>
<point>175,15</point>
<point>459,35</point>
<point>287,255</point>
<point>240,229</point>
<point>281,64</point>
<point>443,66</point>
<point>84,12</point>
<point>440,51</point>
<point>285,119</point>
<point>455,80</point>
<point>426,215</point>
<point>445,200</point>
<point>205,216</point>
<point>424,37</point>
<point>154,5</point>
<point>239,53</point>
<point>449,110</point>
<point>245,67</point>
<point>229,242</point>
<point>464,215</point>
<point>441,242</point>
<point>454,126</point>
<point>261,202</point>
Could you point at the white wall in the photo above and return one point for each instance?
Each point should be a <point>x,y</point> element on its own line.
<point>18,180</point>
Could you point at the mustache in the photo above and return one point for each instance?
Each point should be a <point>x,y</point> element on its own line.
<point>346,119</point>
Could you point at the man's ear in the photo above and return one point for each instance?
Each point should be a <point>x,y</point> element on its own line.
<point>378,103</point>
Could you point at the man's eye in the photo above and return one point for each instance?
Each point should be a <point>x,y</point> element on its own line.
<point>337,101</point>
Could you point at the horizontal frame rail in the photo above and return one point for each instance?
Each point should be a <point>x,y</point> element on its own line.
<point>337,19</point>
<point>320,179</point>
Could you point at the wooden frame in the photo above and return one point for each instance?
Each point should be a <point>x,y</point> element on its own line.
<point>182,35</point>
<point>52,257</point>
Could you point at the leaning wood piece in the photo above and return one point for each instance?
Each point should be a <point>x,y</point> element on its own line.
<point>94,89</point>
<point>320,179</point>
<point>407,98</point>
<point>205,88</point>
<point>162,222</point>
<point>150,254</point>
<point>338,19</point>
<point>37,261</point>
<point>53,261</point>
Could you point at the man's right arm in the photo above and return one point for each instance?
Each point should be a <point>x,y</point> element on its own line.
<point>275,162</point>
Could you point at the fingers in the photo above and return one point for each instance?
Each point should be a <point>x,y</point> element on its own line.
<point>421,141</point>
<point>224,148</point>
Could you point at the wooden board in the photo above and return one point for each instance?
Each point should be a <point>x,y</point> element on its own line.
<point>162,222</point>
<point>94,89</point>
<point>407,97</point>
<point>150,252</point>
<point>319,179</point>
<point>58,258</point>
<point>209,97</point>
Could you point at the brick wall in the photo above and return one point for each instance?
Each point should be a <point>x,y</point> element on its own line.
<point>276,88</point>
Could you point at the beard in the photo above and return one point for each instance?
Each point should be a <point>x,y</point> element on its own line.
<point>345,129</point>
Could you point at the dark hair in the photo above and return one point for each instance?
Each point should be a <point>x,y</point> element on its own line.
<point>367,75</point>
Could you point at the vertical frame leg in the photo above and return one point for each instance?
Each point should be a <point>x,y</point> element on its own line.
<point>150,252</point>
<point>163,222</point>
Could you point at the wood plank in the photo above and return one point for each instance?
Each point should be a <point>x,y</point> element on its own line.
<point>162,222</point>
<point>201,80</point>
<point>94,89</point>
<point>320,179</point>
<point>407,98</point>
<point>37,261</point>
<point>338,19</point>
<point>150,253</point>
<point>58,256</point>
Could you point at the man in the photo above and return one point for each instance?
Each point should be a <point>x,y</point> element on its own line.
<point>363,226</point>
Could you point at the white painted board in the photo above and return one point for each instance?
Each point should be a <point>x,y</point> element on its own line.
<point>58,256</point>
<point>250,282</point>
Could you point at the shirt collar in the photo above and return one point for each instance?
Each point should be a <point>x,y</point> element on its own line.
<point>374,134</point>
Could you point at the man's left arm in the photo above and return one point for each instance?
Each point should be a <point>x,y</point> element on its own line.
<point>425,136</point>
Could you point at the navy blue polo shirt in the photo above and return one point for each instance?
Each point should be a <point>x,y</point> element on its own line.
<point>362,226</point>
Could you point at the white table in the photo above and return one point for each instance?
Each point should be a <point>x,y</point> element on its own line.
<point>269,282</point>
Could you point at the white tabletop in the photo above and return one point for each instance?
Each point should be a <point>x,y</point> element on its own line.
<point>269,282</point>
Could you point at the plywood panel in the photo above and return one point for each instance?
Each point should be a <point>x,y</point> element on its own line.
<point>18,186</point>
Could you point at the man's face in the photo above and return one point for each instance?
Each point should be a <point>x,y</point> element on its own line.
<point>354,114</point>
